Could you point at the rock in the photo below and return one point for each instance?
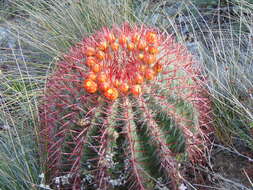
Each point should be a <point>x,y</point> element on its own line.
<point>4,127</point>
<point>6,39</point>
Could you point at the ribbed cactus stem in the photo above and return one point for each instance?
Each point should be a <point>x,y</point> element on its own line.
<point>191,131</point>
<point>118,102</point>
<point>132,138</point>
<point>166,156</point>
<point>108,135</point>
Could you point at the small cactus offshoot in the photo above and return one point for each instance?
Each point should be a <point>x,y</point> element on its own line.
<point>124,101</point>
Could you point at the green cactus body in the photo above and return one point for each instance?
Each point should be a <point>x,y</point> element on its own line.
<point>126,102</point>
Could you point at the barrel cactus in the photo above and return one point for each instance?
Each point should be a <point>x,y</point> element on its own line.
<point>126,103</point>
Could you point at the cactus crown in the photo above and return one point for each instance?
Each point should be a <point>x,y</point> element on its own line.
<point>120,61</point>
<point>126,99</point>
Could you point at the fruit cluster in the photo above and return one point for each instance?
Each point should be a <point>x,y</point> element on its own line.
<point>120,64</point>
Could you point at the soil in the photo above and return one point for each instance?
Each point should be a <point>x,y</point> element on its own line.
<point>226,170</point>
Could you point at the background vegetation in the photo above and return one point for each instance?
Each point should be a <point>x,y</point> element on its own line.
<point>34,34</point>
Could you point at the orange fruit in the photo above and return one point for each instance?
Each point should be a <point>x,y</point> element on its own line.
<point>92,76</point>
<point>141,56</point>
<point>90,86</point>
<point>142,45</point>
<point>136,90</point>
<point>124,87</point>
<point>100,55</point>
<point>123,40</point>
<point>153,50</point>
<point>111,94</point>
<point>149,74</point>
<point>90,61</point>
<point>158,67</point>
<point>115,46</point>
<point>90,51</point>
<point>135,37</point>
<point>142,68</point>
<point>102,77</point>
<point>151,37</point>
<point>138,79</point>
<point>96,68</point>
<point>103,46</point>
<point>130,46</point>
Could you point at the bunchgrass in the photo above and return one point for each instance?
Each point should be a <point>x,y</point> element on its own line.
<point>221,41</point>
<point>227,56</point>
<point>19,163</point>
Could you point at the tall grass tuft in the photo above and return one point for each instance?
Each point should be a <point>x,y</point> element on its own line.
<point>19,163</point>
